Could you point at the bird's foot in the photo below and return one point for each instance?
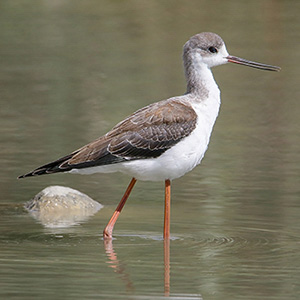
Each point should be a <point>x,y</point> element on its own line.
<point>107,233</point>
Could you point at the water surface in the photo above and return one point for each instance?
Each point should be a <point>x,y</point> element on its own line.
<point>70,70</point>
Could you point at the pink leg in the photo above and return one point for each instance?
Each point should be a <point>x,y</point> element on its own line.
<point>107,232</point>
<point>167,209</point>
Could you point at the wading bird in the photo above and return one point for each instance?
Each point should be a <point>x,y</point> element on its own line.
<point>163,140</point>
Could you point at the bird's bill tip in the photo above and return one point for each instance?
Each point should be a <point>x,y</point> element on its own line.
<point>245,62</point>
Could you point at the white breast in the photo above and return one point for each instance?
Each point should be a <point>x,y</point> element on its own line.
<point>185,155</point>
<point>182,157</point>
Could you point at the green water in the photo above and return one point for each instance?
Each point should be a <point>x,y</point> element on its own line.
<point>70,70</point>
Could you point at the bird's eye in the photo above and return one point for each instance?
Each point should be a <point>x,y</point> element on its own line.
<point>212,50</point>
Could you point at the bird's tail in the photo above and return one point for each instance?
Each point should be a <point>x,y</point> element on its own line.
<point>53,167</point>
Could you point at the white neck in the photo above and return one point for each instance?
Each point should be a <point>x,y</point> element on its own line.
<point>200,80</point>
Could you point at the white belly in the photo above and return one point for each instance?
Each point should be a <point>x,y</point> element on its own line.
<point>182,157</point>
<point>178,160</point>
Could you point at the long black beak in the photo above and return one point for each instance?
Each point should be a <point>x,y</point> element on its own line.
<point>241,61</point>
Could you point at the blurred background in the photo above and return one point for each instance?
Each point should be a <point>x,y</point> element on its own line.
<point>70,70</point>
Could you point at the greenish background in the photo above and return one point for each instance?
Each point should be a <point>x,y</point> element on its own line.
<point>70,70</point>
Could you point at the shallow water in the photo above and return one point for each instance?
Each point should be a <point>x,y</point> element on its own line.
<point>69,71</point>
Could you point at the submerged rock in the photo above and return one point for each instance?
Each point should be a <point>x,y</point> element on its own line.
<point>58,206</point>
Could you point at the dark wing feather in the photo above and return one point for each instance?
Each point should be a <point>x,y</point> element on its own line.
<point>147,133</point>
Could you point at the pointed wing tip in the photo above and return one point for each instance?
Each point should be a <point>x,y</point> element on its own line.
<point>36,172</point>
<point>53,167</point>
<point>26,175</point>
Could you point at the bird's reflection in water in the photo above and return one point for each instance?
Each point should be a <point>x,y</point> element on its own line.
<point>120,268</point>
<point>167,266</point>
<point>116,265</point>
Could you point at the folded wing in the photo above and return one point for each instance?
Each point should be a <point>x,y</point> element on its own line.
<point>147,133</point>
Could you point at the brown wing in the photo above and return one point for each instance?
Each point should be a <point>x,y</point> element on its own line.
<point>147,133</point>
